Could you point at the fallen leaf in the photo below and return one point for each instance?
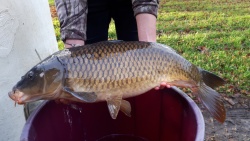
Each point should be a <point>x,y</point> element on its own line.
<point>203,50</point>
<point>226,48</point>
<point>236,95</point>
<point>231,87</point>
<point>229,100</point>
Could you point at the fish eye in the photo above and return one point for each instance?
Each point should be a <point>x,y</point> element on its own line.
<point>30,74</point>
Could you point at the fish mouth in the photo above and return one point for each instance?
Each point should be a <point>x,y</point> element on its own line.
<point>17,96</point>
<point>21,98</point>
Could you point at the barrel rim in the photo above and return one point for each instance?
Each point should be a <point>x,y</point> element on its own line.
<point>197,112</point>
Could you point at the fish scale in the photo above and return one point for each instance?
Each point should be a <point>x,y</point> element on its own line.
<point>112,71</point>
<point>118,65</point>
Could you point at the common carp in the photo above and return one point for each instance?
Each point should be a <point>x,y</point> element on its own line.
<point>114,70</point>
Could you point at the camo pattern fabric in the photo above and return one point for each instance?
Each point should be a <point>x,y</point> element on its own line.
<point>72,15</point>
<point>145,6</point>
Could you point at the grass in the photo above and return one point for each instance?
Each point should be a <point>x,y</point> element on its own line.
<point>220,28</point>
<point>51,2</point>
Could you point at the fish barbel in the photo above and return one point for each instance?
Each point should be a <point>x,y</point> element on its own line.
<point>113,70</point>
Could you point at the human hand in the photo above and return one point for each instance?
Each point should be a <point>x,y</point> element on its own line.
<point>73,43</point>
<point>162,86</point>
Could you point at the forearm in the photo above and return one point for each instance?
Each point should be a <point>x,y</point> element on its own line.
<point>72,15</point>
<point>145,6</point>
<point>146,26</point>
<point>146,13</point>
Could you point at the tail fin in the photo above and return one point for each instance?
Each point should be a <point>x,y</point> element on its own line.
<point>209,97</point>
<point>212,101</point>
<point>211,79</point>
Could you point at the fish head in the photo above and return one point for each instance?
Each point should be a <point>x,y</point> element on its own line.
<point>43,81</point>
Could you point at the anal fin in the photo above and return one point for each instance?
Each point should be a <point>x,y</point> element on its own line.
<point>115,103</point>
<point>126,108</point>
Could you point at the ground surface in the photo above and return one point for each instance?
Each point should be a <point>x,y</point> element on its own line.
<point>237,124</point>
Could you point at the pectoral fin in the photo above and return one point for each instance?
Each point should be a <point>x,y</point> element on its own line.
<point>115,103</point>
<point>84,96</point>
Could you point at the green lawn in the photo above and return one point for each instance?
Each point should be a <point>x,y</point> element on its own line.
<point>220,28</point>
<point>51,2</point>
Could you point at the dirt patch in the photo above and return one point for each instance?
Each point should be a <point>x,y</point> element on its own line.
<point>237,124</point>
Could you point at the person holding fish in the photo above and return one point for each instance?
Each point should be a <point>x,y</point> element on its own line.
<point>112,71</point>
<point>85,22</point>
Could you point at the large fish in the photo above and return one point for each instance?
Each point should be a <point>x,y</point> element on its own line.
<point>113,70</point>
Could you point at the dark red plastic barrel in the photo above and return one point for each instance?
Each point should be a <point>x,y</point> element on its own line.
<point>164,115</point>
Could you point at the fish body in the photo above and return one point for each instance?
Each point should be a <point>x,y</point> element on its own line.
<point>113,70</point>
